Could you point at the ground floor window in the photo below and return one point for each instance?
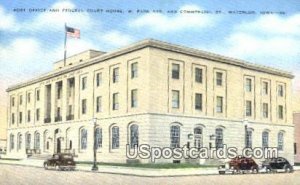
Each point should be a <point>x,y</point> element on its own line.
<point>249,138</point>
<point>115,137</point>
<point>280,141</point>
<point>198,137</point>
<point>134,136</point>
<point>265,139</point>
<point>219,138</point>
<point>175,136</point>
<point>28,141</point>
<point>83,139</point>
<point>98,138</point>
<point>19,142</point>
<point>37,141</point>
<point>12,141</point>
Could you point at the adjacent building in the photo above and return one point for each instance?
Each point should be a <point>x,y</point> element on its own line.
<point>150,92</point>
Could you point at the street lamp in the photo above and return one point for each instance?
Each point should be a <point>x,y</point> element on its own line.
<point>95,167</point>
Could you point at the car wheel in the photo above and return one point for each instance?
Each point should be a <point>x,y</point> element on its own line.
<point>46,166</point>
<point>255,170</point>
<point>268,170</point>
<point>287,169</point>
<point>221,172</point>
<point>56,166</point>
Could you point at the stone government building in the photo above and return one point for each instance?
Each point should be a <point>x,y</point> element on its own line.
<point>150,92</point>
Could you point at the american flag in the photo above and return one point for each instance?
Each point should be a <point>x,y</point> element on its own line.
<point>72,32</point>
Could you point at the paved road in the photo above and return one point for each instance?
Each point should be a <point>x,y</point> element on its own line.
<point>22,175</point>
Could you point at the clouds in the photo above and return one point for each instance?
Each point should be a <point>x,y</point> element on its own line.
<point>116,38</point>
<point>8,21</point>
<point>162,23</point>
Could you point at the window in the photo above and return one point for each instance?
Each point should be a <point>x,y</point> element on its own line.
<point>280,90</point>
<point>134,136</point>
<point>28,97</point>
<point>116,75</point>
<point>83,106</point>
<point>19,146</point>
<point>71,83</point>
<point>248,85</point>
<point>37,141</point>
<point>280,112</point>
<point>265,110</point>
<point>13,118</point>
<point>265,88</point>
<point>265,139</point>
<point>134,100</point>
<point>98,138</point>
<point>116,101</point>
<point>12,141</point>
<point>28,116</point>
<point>295,148</point>
<point>115,137</point>
<point>83,83</point>
<point>13,101</point>
<point>198,101</point>
<point>37,114</point>
<point>280,141</point>
<point>248,108</point>
<point>99,104</point>
<point>219,138</point>
<point>38,95</point>
<point>175,99</point>
<point>175,136</point>
<point>20,117</point>
<point>175,71</point>
<point>83,139</point>
<point>219,79</point>
<point>198,137</point>
<point>59,89</point>
<point>249,138</point>
<point>98,79</point>
<point>21,100</point>
<point>58,115</point>
<point>198,75</point>
<point>28,141</point>
<point>219,108</point>
<point>134,70</point>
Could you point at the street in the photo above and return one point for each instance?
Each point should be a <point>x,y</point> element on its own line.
<point>10,174</point>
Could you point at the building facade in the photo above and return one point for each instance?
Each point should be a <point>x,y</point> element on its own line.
<point>296,120</point>
<point>152,93</point>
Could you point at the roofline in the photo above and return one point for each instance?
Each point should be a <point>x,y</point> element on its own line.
<point>164,46</point>
<point>76,54</point>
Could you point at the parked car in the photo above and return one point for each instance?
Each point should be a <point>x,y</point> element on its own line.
<point>277,164</point>
<point>239,165</point>
<point>60,162</point>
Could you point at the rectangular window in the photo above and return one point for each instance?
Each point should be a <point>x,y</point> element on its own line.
<point>59,89</point>
<point>248,85</point>
<point>248,108</point>
<point>265,110</point>
<point>21,99</point>
<point>175,71</point>
<point>219,78</point>
<point>116,101</point>
<point>198,75</point>
<point>198,101</point>
<point>38,95</point>
<point>115,137</point>
<point>83,106</point>
<point>280,112</point>
<point>134,70</point>
<point>98,79</point>
<point>219,107</point>
<point>28,97</point>
<point>99,104</point>
<point>37,114</point>
<point>20,117</point>
<point>71,83</point>
<point>13,101</point>
<point>58,112</point>
<point>83,83</point>
<point>280,90</point>
<point>134,100</point>
<point>116,75</point>
<point>13,118</point>
<point>28,116</point>
<point>265,88</point>
<point>175,99</point>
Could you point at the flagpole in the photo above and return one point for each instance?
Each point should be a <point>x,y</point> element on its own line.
<point>65,52</point>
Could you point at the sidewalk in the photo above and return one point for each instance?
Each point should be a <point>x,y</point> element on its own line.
<point>144,172</point>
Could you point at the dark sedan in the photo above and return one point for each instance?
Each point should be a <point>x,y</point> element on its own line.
<point>60,162</point>
<point>277,164</point>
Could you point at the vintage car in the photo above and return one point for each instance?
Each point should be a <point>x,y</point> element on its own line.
<point>239,165</point>
<point>276,165</point>
<point>60,162</point>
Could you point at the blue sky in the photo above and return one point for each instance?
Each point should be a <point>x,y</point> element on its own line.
<point>31,42</point>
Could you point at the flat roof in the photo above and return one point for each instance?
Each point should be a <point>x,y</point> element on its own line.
<point>159,45</point>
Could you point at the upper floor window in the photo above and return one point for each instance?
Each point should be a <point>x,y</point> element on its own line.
<point>83,106</point>
<point>13,101</point>
<point>116,101</point>
<point>265,110</point>
<point>20,117</point>
<point>134,70</point>
<point>248,108</point>
<point>28,116</point>
<point>28,97</point>
<point>38,95</point>
<point>115,75</point>
<point>83,83</point>
<point>280,141</point>
<point>175,136</point>
<point>115,137</point>
<point>134,136</point>
<point>98,79</point>
<point>219,138</point>
<point>265,88</point>
<point>219,107</point>
<point>13,118</point>
<point>248,85</point>
<point>98,138</point>
<point>280,111</point>
<point>280,90</point>
<point>198,75</point>
<point>265,139</point>
<point>198,101</point>
<point>175,99</point>
<point>83,139</point>
<point>21,100</point>
<point>37,114</point>
<point>59,90</point>
<point>219,78</point>
<point>134,98</point>
<point>249,138</point>
<point>175,71</point>
<point>99,104</point>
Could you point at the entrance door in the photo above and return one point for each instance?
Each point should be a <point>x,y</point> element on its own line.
<point>58,145</point>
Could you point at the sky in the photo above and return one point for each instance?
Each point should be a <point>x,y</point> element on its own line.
<point>31,41</point>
